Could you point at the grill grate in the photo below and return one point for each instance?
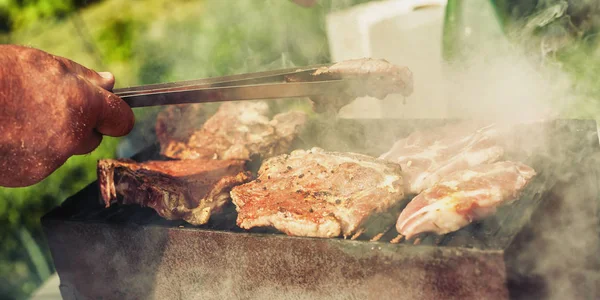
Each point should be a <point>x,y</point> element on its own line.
<point>495,232</point>
<point>482,235</point>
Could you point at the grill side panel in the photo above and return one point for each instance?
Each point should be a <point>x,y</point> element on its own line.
<point>104,261</point>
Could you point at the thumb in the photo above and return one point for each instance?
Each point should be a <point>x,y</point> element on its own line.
<point>115,117</point>
<point>107,82</point>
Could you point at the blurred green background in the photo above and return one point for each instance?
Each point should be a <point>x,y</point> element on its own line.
<point>154,41</point>
<point>140,42</point>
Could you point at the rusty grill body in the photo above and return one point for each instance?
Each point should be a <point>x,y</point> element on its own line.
<point>129,252</point>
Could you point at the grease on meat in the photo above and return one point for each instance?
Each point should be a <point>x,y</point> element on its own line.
<point>318,193</point>
<point>464,196</point>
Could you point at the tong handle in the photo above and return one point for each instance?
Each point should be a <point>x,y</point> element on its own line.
<point>242,92</point>
<point>273,76</point>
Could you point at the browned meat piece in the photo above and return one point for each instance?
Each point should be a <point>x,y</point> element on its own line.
<point>176,123</point>
<point>383,75</point>
<point>318,193</point>
<point>176,190</point>
<point>240,130</point>
<point>464,196</point>
<point>381,78</point>
<point>428,155</point>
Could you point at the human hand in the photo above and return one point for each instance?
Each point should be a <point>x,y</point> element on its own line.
<point>51,109</point>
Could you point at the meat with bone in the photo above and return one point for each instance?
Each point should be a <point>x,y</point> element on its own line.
<point>177,190</point>
<point>464,196</point>
<point>380,79</point>
<point>240,130</point>
<point>318,193</point>
<point>428,155</point>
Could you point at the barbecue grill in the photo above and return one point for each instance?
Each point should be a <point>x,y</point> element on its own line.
<point>129,252</point>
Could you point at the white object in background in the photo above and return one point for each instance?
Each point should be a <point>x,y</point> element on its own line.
<point>49,290</point>
<point>405,32</point>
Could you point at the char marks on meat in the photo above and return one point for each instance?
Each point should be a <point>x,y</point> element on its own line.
<point>318,193</point>
<point>241,130</point>
<point>464,196</point>
<point>189,190</point>
<point>428,155</point>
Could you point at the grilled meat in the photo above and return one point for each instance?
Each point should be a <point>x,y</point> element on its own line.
<point>176,123</point>
<point>464,196</point>
<point>318,193</point>
<point>428,155</point>
<point>187,190</point>
<point>380,78</point>
<point>241,130</point>
<point>383,76</point>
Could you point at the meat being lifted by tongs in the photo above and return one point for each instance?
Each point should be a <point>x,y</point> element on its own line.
<point>330,86</point>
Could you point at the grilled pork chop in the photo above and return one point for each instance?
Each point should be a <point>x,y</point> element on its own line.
<point>464,196</point>
<point>428,155</point>
<point>187,190</point>
<point>240,130</point>
<point>318,193</point>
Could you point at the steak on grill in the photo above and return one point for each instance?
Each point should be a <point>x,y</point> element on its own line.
<point>428,155</point>
<point>464,196</point>
<point>318,193</point>
<point>189,190</point>
<point>240,130</point>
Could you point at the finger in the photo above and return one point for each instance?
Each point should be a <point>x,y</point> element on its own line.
<point>108,80</point>
<point>115,117</point>
<point>105,80</point>
<point>89,144</point>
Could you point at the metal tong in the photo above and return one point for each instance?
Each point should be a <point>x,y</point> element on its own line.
<point>283,83</point>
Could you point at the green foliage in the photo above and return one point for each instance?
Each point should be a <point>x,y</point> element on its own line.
<point>227,39</point>
<point>166,40</point>
<point>144,42</point>
<point>116,39</point>
<point>24,257</point>
<point>562,37</point>
<point>582,62</point>
<point>23,13</point>
<point>17,14</point>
